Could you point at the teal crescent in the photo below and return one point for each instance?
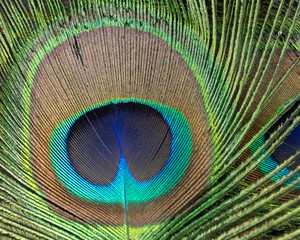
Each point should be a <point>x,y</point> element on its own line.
<point>269,164</point>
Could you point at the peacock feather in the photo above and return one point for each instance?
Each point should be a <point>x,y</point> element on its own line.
<point>150,119</point>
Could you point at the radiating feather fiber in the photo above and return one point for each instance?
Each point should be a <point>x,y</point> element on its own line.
<point>149,119</point>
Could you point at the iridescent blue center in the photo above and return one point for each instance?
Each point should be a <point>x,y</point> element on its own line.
<point>133,131</point>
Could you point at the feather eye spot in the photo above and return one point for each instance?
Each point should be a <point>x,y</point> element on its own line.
<point>95,149</point>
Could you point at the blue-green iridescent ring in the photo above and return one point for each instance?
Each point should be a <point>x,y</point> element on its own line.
<point>135,191</point>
